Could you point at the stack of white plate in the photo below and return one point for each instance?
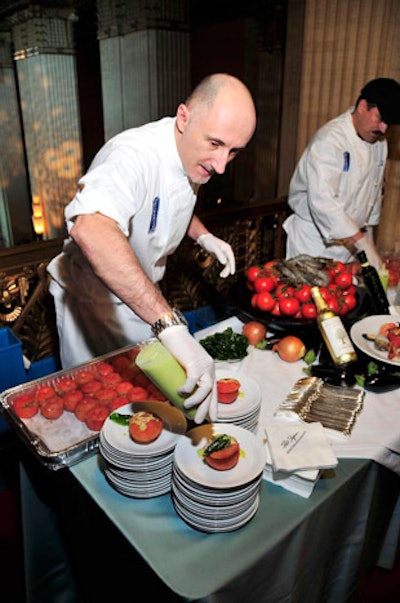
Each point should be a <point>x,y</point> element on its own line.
<point>217,501</point>
<point>245,410</point>
<point>136,470</point>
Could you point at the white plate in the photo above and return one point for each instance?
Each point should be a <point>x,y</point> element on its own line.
<point>249,397</point>
<point>118,437</point>
<point>371,324</point>
<point>188,457</point>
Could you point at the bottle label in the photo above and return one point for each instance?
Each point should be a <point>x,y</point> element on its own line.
<point>337,336</point>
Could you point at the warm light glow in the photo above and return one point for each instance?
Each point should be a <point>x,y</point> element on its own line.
<point>37,215</point>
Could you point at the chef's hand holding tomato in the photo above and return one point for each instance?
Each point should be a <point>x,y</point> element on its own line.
<point>200,371</point>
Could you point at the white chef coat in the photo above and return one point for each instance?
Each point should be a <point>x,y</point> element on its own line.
<point>335,190</point>
<point>138,180</point>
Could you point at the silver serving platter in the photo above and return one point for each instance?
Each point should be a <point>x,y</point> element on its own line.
<point>62,442</point>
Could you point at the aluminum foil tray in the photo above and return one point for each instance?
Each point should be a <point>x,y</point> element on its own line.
<point>65,441</point>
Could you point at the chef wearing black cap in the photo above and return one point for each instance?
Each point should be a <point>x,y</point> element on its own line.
<point>336,189</point>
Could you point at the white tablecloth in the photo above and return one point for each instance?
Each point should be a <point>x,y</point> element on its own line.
<point>376,433</point>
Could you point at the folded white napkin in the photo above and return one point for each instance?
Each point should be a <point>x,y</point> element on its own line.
<point>296,445</point>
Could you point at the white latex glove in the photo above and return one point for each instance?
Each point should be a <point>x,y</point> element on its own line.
<point>366,244</point>
<point>200,371</point>
<point>221,250</point>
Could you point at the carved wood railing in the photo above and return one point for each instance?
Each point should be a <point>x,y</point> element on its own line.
<point>256,235</point>
<point>26,306</point>
<point>191,280</point>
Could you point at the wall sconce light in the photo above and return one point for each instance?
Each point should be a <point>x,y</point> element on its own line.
<point>37,216</point>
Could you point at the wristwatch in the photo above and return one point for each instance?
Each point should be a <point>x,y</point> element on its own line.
<point>175,317</point>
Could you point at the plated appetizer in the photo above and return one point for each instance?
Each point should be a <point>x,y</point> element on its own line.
<point>227,390</point>
<point>222,452</point>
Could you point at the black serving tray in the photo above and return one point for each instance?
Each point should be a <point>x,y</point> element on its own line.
<point>240,297</point>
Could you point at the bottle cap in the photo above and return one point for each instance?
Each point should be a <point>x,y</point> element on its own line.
<point>362,256</point>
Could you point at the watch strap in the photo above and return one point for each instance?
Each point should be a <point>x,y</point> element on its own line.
<point>175,317</point>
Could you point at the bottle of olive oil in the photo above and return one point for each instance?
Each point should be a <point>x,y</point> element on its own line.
<point>333,332</point>
<point>374,285</point>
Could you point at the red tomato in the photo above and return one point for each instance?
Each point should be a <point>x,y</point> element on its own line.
<point>71,399</point>
<point>105,395</point>
<point>303,293</point>
<point>393,277</point>
<point>52,408</point>
<point>334,289</point>
<point>350,300</point>
<point>83,376</point>
<point>25,406</point>
<point>284,290</point>
<point>224,459</point>
<point>111,378</point>
<point>83,407</point>
<point>91,387</point>
<point>336,267</point>
<point>252,273</point>
<point>65,384</point>
<point>144,427</point>
<point>253,300</point>
<point>333,304</point>
<point>117,403</point>
<point>44,392</point>
<point>343,307</point>
<point>289,306</point>
<point>275,310</point>
<point>270,265</point>
<point>120,363</point>
<point>264,283</point>
<point>136,394</point>
<point>103,368</point>
<point>141,380</point>
<point>265,301</point>
<point>308,310</point>
<point>153,393</point>
<point>325,292</point>
<point>129,373</point>
<point>123,387</point>
<point>343,279</point>
<point>350,290</point>
<point>96,416</point>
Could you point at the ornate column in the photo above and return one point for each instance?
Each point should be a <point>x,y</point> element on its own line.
<point>46,68</point>
<point>145,60</point>
<point>15,225</point>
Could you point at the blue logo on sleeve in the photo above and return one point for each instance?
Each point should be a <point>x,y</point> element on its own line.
<point>154,214</point>
<point>346,161</point>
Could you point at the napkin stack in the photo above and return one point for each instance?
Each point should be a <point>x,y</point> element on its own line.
<point>297,452</point>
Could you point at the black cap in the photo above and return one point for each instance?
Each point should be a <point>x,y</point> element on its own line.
<point>385,94</point>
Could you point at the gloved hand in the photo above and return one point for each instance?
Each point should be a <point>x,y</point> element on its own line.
<point>366,244</point>
<point>200,370</point>
<point>219,249</point>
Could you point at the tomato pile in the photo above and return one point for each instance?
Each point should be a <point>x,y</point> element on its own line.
<point>271,294</point>
<point>91,393</point>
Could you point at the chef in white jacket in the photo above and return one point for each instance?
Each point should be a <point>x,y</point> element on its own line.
<point>336,189</point>
<point>132,209</point>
